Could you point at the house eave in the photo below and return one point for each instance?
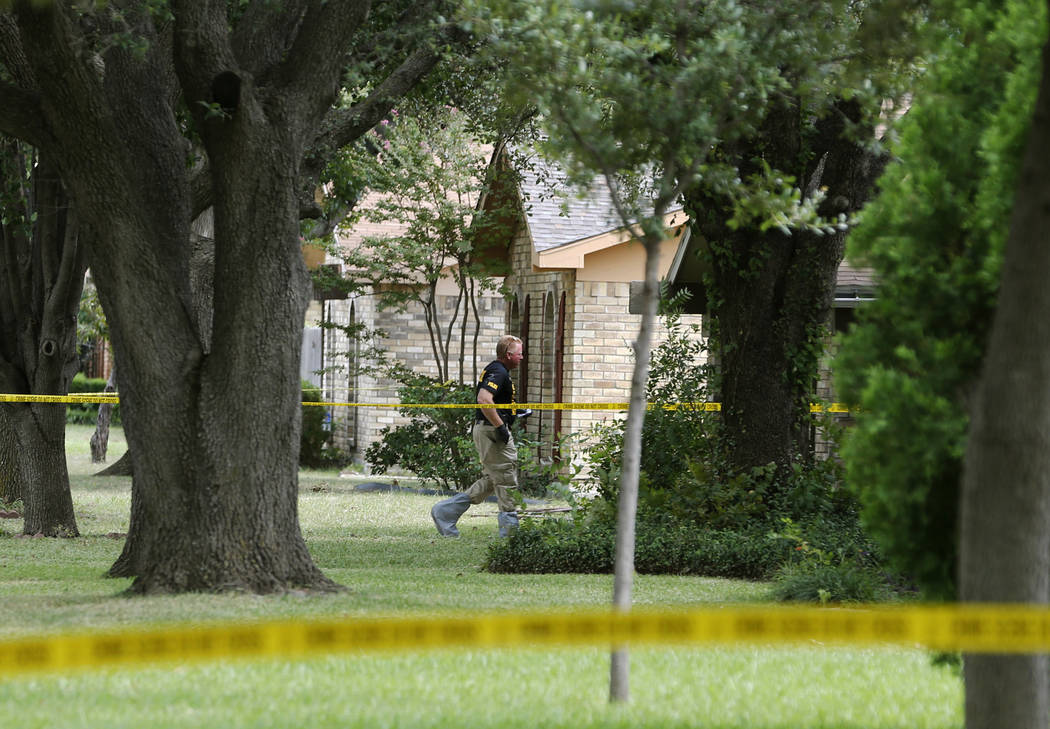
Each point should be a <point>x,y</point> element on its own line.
<point>572,255</point>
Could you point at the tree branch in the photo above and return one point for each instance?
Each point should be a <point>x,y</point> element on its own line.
<point>317,56</point>
<point>317,30</point>
<point>343,126</point>
<point>264,33</point>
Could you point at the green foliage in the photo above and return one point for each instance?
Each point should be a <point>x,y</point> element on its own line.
<point>829,583</point>
<point>696,516</point>
<point>935,237</point>
<point>672,436</point>
<point>314,436</point>
<point>428,177</point>
<point>686,472</point>
<point>718,502</point>
<point>586,545</point>
<point>91,320</point>
<point>826,574</point>
<point>621,86</point>
<point>539,475</point>
<point>669,544</point>
<point>435,444</point>
<point>85,413</point>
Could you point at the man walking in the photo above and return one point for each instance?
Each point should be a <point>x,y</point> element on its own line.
<point>496,449</point>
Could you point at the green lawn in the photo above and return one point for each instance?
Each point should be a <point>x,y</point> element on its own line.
<point>383,548</point>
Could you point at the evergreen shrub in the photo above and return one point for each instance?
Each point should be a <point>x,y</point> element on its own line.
<point>662,547</point>
<point>314,436</point>
<point>695,515</point>
<point>824,583</point>
<point>86,413</point>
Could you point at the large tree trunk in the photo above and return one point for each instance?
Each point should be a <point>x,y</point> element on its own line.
<point>215,510</point>
<point>224,522</point>
<point>42,265</point>
<point>1005,509</point>
<point>772,292</point>
<point>10,484</point>
<point>40,437</point>
<point>212,422</point>
<point>776,293</point>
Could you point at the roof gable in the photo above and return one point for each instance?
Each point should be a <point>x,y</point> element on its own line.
<point>557,214</point>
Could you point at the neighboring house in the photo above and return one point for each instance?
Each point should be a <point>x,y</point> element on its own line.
<point>574,276</point>
<point>406,341</point>
<point>854,287</point>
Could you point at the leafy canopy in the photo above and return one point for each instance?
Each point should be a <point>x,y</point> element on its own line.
<point>647,94</point>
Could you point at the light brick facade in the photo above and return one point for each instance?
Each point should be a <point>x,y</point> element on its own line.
<point>595,342</point>
<point>406,342</point>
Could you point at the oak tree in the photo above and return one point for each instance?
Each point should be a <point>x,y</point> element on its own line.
<point>121,96</point>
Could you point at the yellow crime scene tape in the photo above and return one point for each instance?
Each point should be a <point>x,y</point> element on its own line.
<point>966,628</point>
<point>618,406</point>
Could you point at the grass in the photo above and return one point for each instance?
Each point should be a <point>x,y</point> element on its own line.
<point>383,548</point>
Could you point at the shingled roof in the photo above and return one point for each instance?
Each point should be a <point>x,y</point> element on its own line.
<point>854,283</point>
<point>558,214</point>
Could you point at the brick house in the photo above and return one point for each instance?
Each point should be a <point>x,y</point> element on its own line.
<point>571,273</point>
<point>575,273</point>
<point>406,340</point>
<point>573,268</point>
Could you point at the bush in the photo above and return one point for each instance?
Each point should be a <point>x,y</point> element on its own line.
<point>935,236</point>
<point>824,583</point>
<point>586,545</point>
<point>540,476</point>
<point>830,562</point>
<point>86,413</point>
<point>672,438</point>
<point>435,444</point>
<point>553,546</point>
<point>314,436</point>
<point>695,514</point>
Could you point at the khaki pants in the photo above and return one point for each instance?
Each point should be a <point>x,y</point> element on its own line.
<point>499,462</point>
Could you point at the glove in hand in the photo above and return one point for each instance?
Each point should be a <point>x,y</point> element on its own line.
<point>503,433</point>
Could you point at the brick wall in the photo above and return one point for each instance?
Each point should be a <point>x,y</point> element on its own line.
<point>407,342</point>
<point>598,335</point>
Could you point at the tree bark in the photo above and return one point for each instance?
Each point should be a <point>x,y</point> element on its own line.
<point>42,264</point>
<point>122,467</point>
<point>212,422</point>
<point>776,293</point>
<point>1005,503</point>
<point>100,438</point>
<point>772,292</point>
<point>40,438</point>
<point>10,482</point>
